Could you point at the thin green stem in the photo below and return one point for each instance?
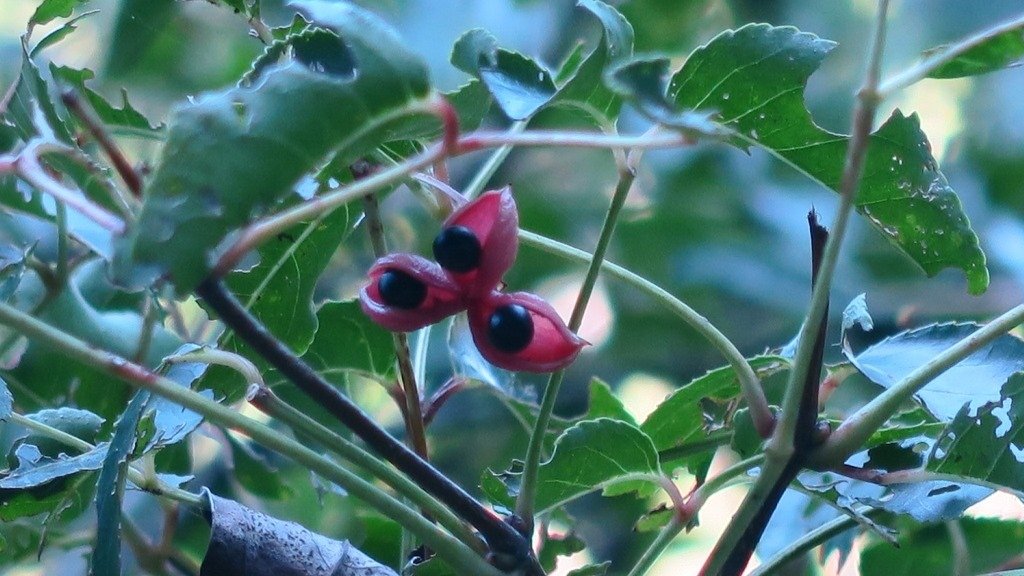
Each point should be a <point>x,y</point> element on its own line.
<point>853,167</point>
<point>62,244</point>
<point>922,69</point>
<point>856,429</point>
<point>272,405</point>
<point>494,161</point>
<point>527,493</point>
<point>31,170</point>
<point>149,318</point>
<point>478,140</point>
<point>721,480</point>
<point>412,409</point>
<point>811,540</point>
<point>448,547</point>
<point>137,477</point>
<point>236,362</point>
<point>658,546</point>
<point>782,463</point>
<point>750,385</point>
<point>319,206</point>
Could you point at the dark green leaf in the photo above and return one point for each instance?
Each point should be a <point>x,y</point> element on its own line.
<point>126,116</point>
<point>746,441</point>
<point>106,555</point>
<point>1000,51</point>
<point>52,9</point>
<point>585,82</point>
<point>349,343</point>
<point>591,570</point>
<point>928,549</point>
<point>679,419</point>
<point>754,79</point>
<point>81,424</point>
<point>975,380</point>
<point>232,155</point>
<point>595,454</point>
<point>106,326</point>
<point>605,404</point>
<point>35,469</point>
<point>254,473</point>
<point>279,290</point>
<point>554,545</point>
<point>986,443</point>
<point>471,102</point>
<point>518,84</point>
<point>12,266</point>
<point>475,48</point>
<point>644,80</point>
<point>60,33</point>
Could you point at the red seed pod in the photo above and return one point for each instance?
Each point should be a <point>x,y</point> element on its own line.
<point>478,242</point>
<point>407,292</point>
<point>521,331</point>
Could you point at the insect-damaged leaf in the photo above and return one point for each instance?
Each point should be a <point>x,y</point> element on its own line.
<point>245,542</point>
<point>975,380</point>
<point>753,79</point>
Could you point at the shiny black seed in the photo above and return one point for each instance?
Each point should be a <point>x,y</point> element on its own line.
<point>400,290</point>
<point>510,328</point>
<point>457,249</point>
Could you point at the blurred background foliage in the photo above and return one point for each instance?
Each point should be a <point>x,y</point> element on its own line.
<point>723,230</point>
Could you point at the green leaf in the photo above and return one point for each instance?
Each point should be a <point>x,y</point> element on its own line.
<point>81,424</point>
<point>166,423</point>
<point>52,9</point>
<point>230,156</point>
<point>586,82</point>
<point>605,404</point>
<point>888,361</point>
<point>679,419</point>
<point>35,469</point>
<point>591,570</point>
<point>106,555</point>
<point>595,454</point>
<point>254,473</point>
<point>279,290</point>
<point>126,116</point>
<point>644,81</point>
<point>1000,51</point>
<point>927,549</point>
<point>348,343</point>
<point>554,545</point>
<point>754,79</point>
<point>108,326</point>
<point>60,33</point>
<point>986,443</point>
<point>518,84</point>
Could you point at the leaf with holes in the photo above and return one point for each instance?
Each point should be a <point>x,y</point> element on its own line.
<point>986,443</point>
<point>974,381</point>
<point>753,80</point>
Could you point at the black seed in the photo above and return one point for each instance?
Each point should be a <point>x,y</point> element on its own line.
<point>457,249</point>
<point>511,328</point>
<point>400,290</point>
